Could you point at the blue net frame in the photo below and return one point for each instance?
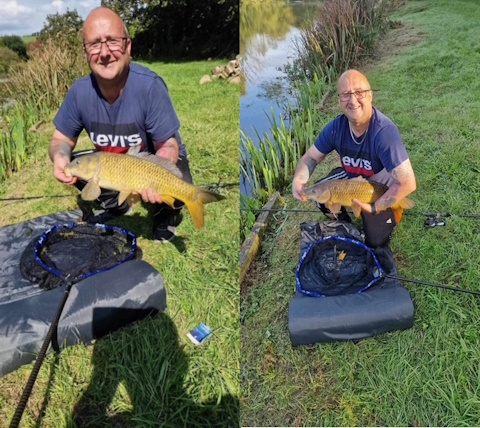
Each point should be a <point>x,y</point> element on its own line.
<point>373,271</point>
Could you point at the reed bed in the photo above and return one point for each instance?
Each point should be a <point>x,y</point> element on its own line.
<point>343,36</point>
<point>44,80</point>
<point>36,88</point>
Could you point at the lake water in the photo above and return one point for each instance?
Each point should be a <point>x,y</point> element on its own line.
<point>266,87</point>
<point>267,44</point>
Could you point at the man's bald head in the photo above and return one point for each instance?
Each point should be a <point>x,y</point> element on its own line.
<point>354,77</point>
<point>102,14</point>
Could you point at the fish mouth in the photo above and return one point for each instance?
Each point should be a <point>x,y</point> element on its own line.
<point>67,172</point>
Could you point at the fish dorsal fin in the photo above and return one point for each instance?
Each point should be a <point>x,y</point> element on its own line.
<point>134,150</point>
<point>359,178</point>
<point>164,163</point>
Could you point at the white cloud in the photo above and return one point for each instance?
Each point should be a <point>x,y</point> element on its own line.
<point>11,10</point>
<point>24,17</point>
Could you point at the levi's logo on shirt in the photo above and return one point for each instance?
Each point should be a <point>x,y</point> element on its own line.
<point>357,166</point>
<point>119,138</point>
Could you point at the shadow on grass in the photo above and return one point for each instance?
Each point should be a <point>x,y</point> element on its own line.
<point>142,226</point>
<point>151,366</point>
<point>139,223</point>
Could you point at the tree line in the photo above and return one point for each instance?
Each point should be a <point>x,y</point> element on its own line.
<point>180,29</point>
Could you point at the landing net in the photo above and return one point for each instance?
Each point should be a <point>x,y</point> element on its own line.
<point>74,251</point>
<point>335,265</point>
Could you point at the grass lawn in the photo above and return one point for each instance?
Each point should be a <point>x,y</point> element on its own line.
<point>426,77</point>
<point>150,374</point>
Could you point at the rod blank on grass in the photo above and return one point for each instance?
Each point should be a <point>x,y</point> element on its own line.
<point>433,284</point>
<point>299,210</point>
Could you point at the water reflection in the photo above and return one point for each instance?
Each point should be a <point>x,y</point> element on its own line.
<point>268,32</point>
<point>262,27</point>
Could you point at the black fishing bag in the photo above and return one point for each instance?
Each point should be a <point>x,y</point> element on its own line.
<point>111,287</point>
<point>341,290</point>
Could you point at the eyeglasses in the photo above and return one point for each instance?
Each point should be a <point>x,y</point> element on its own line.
<point>115,44</point>
<point>359,95</point>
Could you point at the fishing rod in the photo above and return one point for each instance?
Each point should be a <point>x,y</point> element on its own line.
<point>27,391</point>
<point>433,284</point>
<point>432,220</point>
<point>33,197</point>
<point>280,210</point>
<point>299,210</point>
<point>219,185</point>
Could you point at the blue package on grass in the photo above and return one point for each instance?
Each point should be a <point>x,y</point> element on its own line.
<point>199,333</point>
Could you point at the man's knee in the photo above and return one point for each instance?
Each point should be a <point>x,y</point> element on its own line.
<point>378,228</point>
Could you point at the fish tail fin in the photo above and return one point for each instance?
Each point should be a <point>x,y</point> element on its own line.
<point>397,214</point>
<point>406,203</point>
<point>206,196</point>
<point>197,212</point>
<point>196,206</point>
<point>402,205</point>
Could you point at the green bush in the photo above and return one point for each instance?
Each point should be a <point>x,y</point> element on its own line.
<point>7,59</point>
<point>15,44</point>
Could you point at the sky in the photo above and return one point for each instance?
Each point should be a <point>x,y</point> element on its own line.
<point>24,17</point>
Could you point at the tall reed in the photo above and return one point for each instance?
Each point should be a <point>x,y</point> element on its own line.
<point>269,166</point>
<point>36,88</point>
<point>44,80</point>
<point>13,138</point>
<point>342,37</point>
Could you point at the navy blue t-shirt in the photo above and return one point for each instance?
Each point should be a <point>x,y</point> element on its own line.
<point>382,148</point>
<point>142,114</point>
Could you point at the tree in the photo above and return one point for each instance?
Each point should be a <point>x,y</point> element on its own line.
<point>64,29</point>
<point>15,44</point>
<point>180,28</point>
<point>129,11</point>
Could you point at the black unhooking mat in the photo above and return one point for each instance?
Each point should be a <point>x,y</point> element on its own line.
<point>376,306</point>
<point>96,305</point>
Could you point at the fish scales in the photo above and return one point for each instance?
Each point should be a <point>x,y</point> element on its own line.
<point>137,174</point>
<point>131,172</point>
<point>343,191</point>
<point>337,193</point>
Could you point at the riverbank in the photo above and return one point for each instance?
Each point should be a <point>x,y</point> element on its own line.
<point>424,79</point>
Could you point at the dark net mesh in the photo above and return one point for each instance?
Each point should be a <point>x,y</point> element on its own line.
<point>74,251</point>
<point>335,266</point>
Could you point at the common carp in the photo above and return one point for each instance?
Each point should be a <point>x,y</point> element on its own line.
<point>133,172</point>
<point>337,193</point>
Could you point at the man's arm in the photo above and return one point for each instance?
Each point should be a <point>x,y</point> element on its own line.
<point>168,149</point>
<point>405,183</point>
<point>60,152</point>
<point>304,170</point>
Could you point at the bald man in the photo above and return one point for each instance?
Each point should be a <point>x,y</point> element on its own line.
<point>121,105</point>
<point>369,145</point>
